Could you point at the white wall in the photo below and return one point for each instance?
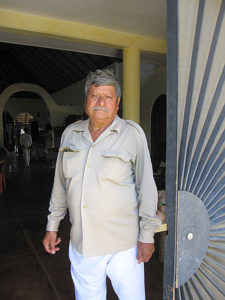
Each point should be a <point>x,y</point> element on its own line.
<point>74,94</point>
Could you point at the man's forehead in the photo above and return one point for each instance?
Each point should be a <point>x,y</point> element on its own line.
<point>104,87</point>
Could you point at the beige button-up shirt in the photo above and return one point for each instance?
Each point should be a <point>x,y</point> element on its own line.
<point>108,187</point>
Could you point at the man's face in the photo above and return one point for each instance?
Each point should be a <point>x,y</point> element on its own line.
<point>101,103</point>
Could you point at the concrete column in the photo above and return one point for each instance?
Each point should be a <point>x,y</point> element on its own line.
<point>131,84</point>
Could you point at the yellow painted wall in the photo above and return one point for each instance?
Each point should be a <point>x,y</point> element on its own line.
<point>21,23</point>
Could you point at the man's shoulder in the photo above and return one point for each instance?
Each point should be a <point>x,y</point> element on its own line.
<point>78,125</point>
<point>135,126</point>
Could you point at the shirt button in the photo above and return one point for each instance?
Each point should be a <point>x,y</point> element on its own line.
<point>84,206</point>
<point>88,165</point>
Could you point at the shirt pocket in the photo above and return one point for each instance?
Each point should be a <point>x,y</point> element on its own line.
<point>116,167</point>
<point>72,162</point>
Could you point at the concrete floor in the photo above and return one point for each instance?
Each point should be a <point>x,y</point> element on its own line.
<point>26,271</point>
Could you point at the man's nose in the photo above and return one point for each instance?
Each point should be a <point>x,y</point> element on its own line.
<point>101,100</point>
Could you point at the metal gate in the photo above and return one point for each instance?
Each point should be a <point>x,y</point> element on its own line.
<point>195,178</point>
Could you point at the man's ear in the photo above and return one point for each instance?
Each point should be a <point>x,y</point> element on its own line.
<point>118,101</point>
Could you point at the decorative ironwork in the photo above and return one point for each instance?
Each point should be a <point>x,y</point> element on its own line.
<point>201,163</point>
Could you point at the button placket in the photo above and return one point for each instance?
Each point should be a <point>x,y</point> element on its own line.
<point>86,169</point>
<point>84,205</point>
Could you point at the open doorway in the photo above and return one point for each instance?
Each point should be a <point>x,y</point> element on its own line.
<point>26,110</point>
<point>71,97</point>
<point>158,141</point>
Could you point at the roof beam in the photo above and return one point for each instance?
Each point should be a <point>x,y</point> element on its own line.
<point>26,24</point>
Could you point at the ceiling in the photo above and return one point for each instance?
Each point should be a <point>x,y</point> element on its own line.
<point>55,69</point>
<point>142,17</point>
<point>52,69</point>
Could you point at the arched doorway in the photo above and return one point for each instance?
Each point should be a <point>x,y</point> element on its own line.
<point>158,140</point>
<point>51,106</point>
<point>26,110</point>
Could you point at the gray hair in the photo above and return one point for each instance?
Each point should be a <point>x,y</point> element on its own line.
<point>102,77</point>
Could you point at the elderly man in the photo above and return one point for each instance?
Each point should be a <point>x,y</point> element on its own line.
<point>104,177</point>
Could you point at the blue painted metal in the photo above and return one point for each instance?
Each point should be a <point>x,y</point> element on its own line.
<point>171,151</point>
<point>200,161</point>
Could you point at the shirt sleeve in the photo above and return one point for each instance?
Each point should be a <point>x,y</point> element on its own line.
<point>146,190</point>
<point>58,202</point>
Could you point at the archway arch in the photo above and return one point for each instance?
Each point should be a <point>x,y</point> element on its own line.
<point>56,112</point>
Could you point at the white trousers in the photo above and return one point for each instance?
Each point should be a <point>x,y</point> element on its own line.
<point>89,275</point>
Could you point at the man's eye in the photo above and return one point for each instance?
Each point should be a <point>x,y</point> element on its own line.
<point>108,97</point>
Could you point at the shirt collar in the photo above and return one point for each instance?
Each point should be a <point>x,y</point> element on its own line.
<point>83,125</point>
<point>116,124</point>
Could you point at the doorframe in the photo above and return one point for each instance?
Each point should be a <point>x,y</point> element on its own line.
<point>171,150</point>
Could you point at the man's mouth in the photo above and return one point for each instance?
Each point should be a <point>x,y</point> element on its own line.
<point>99,108</point>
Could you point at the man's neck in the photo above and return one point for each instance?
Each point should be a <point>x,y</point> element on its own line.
<point>96,128</point>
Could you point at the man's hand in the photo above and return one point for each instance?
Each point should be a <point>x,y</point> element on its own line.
<point>50,242</point>
<point>145,251</point>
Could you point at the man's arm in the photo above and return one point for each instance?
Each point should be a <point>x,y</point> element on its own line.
<point>147,199</point>
<point>57,208</point>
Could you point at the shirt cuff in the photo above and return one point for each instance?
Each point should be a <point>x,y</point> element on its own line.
<point>146,237</point>
<point>52,225</point>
